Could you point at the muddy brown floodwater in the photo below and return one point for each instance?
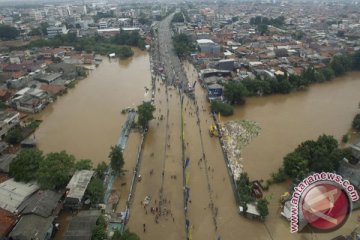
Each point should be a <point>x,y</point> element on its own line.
<point>88,120</point>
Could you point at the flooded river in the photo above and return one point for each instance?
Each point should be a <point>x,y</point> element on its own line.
<point>88,120</point>
<point>287,120</point>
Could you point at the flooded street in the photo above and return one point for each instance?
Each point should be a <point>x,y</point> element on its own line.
<point>88,120</point>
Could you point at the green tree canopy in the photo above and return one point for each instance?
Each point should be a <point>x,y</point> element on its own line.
<point>26,164</point>
<point>314,156</point>
<point>356,122</point>
<point>127,235</point>
<point>83,164</point>
<point>145,114</point>
<point>262,207</point>
<point>14,136</point>
<point>8,33</point>
<point>55,170</point>
<point>224,108</point>
<point>235,92</point>
<point>96,190</point>
<point>116,159</point>
<point>183,44</point>
<point>101,169</point>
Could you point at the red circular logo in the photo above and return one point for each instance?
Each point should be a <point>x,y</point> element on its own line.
<point>325,206</point>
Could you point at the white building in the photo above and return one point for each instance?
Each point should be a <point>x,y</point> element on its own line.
<point>8,120</point>
<point>54,31</point>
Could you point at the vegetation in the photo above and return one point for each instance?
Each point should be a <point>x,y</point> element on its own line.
<point>101,169</point>
<point>235,92</point>
<point>99,232</point>
<point>83,164</point>
<point>259,20</point>
<point>127,235</point>
<point>224,108</point>
<point>97,43</point>
<point>178,17</point>
<point>26,164</point>
<point>55,170</point>
<point>8,33</point>
<point>244,189</point>
<point>96,190</point>
<point>314,156</point>
<point>183,44</point>
<point>356,122</point>
<point>131,39</point>
<point>116,159</point>
<point>279,176</point>
<point>145,114</point>
<point>262,207</point>
<point>262,28</point>
<point>14,136</point>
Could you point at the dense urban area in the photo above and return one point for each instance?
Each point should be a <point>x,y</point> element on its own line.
<point>193,91</point>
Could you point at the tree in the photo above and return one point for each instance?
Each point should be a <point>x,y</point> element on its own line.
<point>14,136</point>
<point>101,169</point>
<point>224,108</point>
<point>8,33</point>
<point>96,190</point>
<point>99,232</point>
<point>127,235</point>
<point>244,189</point>
<point>295,166</point>
<point>55,170</point>
<point>43,27</point>
<point>235,92</point>
<point>356,122</point>
<point>116,159</point>
<point>26,164</point>
<point>35,32</point>
<point>262,29</point>
<point>145,114</point>
<point>262,207</point>
<point>83,164</point>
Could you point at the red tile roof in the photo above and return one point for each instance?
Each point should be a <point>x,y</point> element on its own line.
<point>7,222</point>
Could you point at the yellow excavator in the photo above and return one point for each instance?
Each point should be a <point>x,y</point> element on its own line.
<point>213,130</point>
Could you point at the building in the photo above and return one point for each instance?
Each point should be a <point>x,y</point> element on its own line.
<point>81,226</point>
<point>7,222</point>
<point>48,78</point>
<point>103,25</point>
<point>76,188</point>
<point>30,100</point>
<point>208,46</point>
<point>5,161</point>
<point>54,31</point>
<point>37,216</point>
<point>226,64</point>
<point>8,120</point>
<point>215,91</point>
<point>13,194</point>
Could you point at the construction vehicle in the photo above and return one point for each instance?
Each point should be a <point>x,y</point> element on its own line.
<point>213,131</point>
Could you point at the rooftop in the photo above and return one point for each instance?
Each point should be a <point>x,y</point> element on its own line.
<point>32,227</point>
<point>78,184</point>
<point>41,203</point>
<point>5,161</point>
<point>81,226</point>
<point>204,41</point>
<point>12,193</point>
<point>7,221</point>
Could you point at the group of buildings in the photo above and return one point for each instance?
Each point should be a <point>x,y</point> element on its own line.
<point>296,36</point>
<point>27,212</point>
